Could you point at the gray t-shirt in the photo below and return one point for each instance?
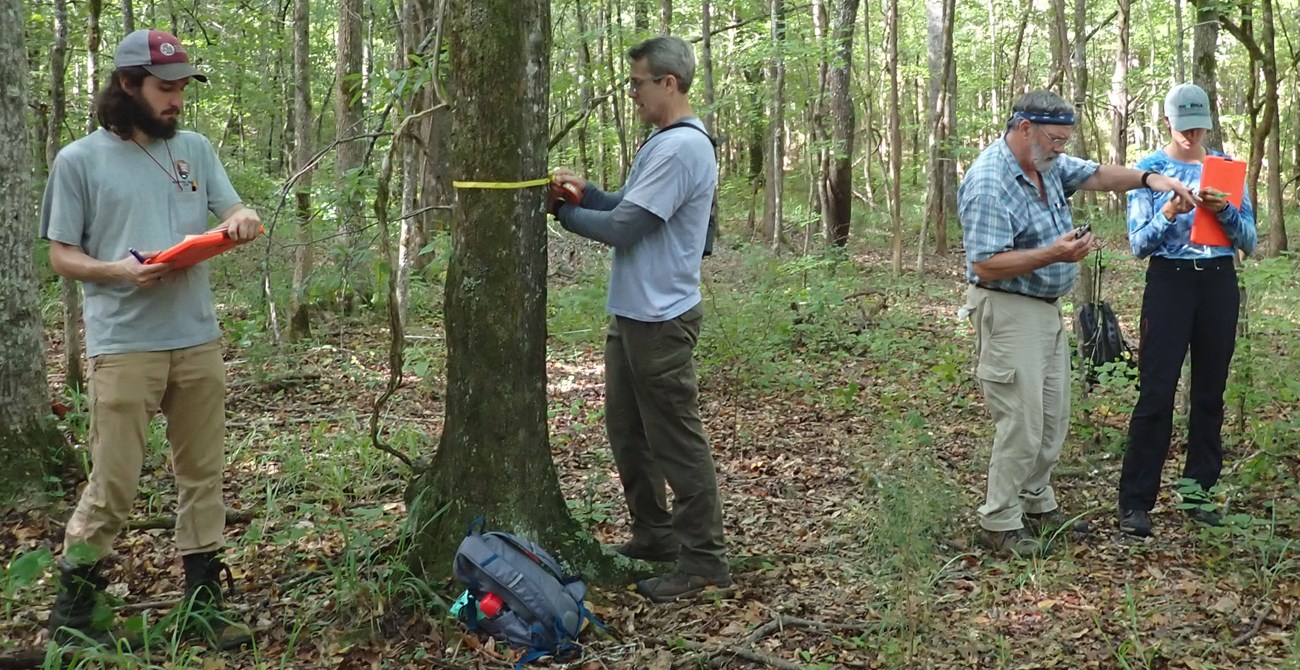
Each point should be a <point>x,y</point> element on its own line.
<point>674,175</point>
<point>108,195</point>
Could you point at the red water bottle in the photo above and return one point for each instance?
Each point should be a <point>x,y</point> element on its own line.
<point>490,605</point>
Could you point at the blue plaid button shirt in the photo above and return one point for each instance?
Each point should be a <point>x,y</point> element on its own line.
<point>1001,210</point>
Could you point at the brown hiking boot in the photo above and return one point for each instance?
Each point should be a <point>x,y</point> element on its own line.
<point>678,585</point>
<point>73,618</point>
<point>201,610</point>
<point>1011,542</point>
<point>1048,524</point>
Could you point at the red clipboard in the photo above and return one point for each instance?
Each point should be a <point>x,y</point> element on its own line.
<point>1220,174</point>
<point>195,249</point>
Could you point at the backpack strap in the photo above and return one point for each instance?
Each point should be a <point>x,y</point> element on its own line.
<point>475,527</point>
<point>692,126</point>
<point>537,554</point>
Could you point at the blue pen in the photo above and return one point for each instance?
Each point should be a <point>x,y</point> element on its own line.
<point>137,255</point>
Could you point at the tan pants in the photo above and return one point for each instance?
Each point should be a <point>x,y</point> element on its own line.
<point>126,390</point>
<point>1024,370</point>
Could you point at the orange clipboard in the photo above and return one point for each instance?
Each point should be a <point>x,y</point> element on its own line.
<point>195,249</point>
<point>1220,174</point>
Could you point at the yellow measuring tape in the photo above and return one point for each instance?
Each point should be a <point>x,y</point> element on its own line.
<point>503,184</point>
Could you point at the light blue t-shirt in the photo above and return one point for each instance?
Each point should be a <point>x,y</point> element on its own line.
<point>108,195</point>
<point>673,177</point>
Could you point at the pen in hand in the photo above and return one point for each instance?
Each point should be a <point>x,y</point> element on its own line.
<point>137,255</point>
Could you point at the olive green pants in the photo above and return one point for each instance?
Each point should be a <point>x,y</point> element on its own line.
<point>652,414</point>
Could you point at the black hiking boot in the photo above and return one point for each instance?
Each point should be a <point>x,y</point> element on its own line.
<point>1135,522</point>
<point>201,610</point>
<point>72,621</point>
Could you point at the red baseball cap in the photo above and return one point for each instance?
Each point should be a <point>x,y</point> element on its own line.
<point>160,53</point>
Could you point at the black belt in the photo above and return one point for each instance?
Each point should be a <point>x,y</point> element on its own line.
<point>1216,263</point>
<point>1050,301</point>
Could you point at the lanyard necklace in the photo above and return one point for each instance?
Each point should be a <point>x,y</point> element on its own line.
<point>170,175</point>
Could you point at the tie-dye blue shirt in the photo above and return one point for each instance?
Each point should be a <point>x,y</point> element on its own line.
<point>1151,234</point>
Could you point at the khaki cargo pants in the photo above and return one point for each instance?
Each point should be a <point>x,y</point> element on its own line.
<point>126,390</point>
<point>1024,370</point>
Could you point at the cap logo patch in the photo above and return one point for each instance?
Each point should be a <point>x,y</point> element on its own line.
<point>167,49</point>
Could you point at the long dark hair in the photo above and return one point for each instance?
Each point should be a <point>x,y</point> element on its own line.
<point>116,109</point>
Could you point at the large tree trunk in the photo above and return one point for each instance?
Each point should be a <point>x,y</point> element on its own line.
<point>895,138</point>
<point>706,64</point>
<point>299,314</point>
<point>29,444</point>
<point>348,106</point>
<point>1119,100</point>
<point>1276,222</point>
<point>1205,41</point>
<point>838,210</point>
<point>774,203</point>
<point>494,458</point>
<point>1265,131</point>
<point>939,28</point>
<point>69,290</point>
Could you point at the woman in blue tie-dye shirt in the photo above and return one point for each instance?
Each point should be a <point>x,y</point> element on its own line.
<point>1191,302</point>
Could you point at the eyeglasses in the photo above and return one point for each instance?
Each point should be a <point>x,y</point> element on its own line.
<point>1058,142</point>
<point>634,84</point>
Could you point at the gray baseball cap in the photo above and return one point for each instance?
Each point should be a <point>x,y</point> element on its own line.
<point>1188,107</point>
<point>160,53</point>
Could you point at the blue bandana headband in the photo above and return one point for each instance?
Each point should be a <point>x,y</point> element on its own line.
<point>1059,119</point>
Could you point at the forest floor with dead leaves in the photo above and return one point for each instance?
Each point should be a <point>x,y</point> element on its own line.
<point>851,444</point>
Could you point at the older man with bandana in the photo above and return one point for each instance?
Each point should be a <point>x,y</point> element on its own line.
<point>1021,250</point>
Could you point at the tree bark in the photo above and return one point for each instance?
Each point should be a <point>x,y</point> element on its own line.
<point>29,444</point>
<point>1119,99</point>
<point>348,107</point>
<point>69,290</point>
<point>895,138</point>
<point>706,65</point>
<point>1205,41</point>
<point>299,314</point>
<point>1180,49</point>
<point>838,210</point>
<point>939,29</point>
<point>774,203</point>
<point>494,459</point>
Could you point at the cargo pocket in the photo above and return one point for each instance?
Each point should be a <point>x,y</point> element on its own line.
<point>993,373</point>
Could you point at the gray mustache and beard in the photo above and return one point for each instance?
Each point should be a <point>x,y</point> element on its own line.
<point>1044,160</point>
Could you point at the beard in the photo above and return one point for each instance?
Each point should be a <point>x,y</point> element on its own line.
<point>146,121</point>
<point>1043,159</point>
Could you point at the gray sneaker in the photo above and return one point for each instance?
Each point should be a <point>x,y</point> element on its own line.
<point>678,585</point>
<point>1011,542</point>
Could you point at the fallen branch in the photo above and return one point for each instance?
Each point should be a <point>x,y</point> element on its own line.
<point>1254,627</point>
<point>783,622</point>
<point>154,523</point>
<point>716,651</point>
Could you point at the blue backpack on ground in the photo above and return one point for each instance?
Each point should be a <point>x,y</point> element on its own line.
<point>543,608</point>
